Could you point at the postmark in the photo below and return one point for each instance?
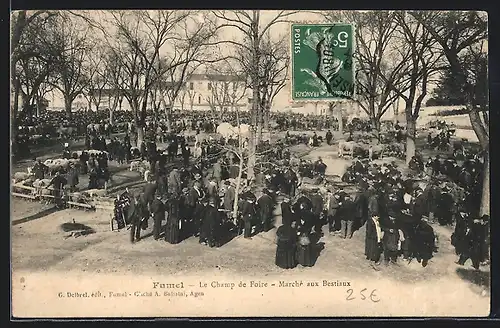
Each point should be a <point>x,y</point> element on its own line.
<point>322,66</point>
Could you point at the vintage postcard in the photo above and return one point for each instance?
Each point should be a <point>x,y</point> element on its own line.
<point>249,163</point>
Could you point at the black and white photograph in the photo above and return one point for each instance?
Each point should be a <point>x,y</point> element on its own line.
<point>249,163</point>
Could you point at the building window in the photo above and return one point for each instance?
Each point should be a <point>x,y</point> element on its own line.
<point>191,86</point>
<point>209,86</point>
<point>199,99</point>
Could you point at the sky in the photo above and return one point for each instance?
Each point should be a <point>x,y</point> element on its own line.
<point>282,100</point>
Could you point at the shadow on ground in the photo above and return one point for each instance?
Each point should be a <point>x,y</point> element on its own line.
<point>36,216</point>
<point>479,278</point>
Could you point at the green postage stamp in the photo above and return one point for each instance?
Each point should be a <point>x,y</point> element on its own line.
<point>322,63</point>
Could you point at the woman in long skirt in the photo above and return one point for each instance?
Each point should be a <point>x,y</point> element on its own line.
<point>173,226</point>
<point>286,240</point>
<point>305,251</point>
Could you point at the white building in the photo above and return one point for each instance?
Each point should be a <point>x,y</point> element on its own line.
<point>203,91</point>
<point>199,92</point>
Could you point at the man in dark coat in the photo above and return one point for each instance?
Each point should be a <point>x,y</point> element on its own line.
<point>229,197</point>
<point>174,182</point>
<point>346,214</point>
<point>317,210</point>
<point>265,205</point>
<point>58,182</point>
<point>39,170</point>
<point>72,178</point>
<point>390,240</point>
<point>329,137</point>
<point>134,216</point>
<point>194,207</point>
<point>149,192</point>
<point>287,212</point>
<point>332,206</point>
<point>360,207</point>
<point>320,167</point>
<point>158,210</point>
<point>445,205</point>
<point>217,172</point>
<point>476,242</point>
<point>211,225</point>
<point>303,208</point>
<point>186,153</point>
<point>173,227</point>
<point>248,212</point>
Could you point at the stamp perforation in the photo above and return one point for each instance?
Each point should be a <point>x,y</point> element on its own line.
<point>291,66</point>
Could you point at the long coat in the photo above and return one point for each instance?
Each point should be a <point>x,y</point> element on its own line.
<point>174,182</point>
<point>173,226</point>
<point>158,210</point>
<point>372,247</point>
<point>265,206</point>
<point>287,214</point>
<point>229,198</point>
<point>286,247</point>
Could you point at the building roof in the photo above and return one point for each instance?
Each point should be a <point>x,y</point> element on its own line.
<point>217,77</point>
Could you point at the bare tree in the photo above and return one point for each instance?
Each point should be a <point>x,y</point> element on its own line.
<point>249,53</point>
<point>97,78</point>
<point>273,76</point>
<point>376,54</point>
<point>227,88</point>
<point>70,41</point>
<point>420,58</point>
<point>139,37</point>
<point>191,94</point>
<point>24,25</point>
<point>462,36</point>
<point>115,75</point>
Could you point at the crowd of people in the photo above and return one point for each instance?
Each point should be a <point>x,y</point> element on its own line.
<point>197,197</point>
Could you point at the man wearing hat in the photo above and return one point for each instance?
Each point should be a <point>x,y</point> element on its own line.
<point>229,197</point>
<point>72,177</point>
<point>58,182</point>
<point>346,215</point>
<point>444,208</point>
<point>211,225</point>
<point>135,213</point>
<point>157,208</point>
<point>194,206</point>
<point>265,205</point>
<point>248,211</point>
<point>332,205</point>
<point>174,181</point>
<point>476,237</point>
<point>317,210</point>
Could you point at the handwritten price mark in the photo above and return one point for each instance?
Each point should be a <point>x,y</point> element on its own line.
<point>372,297</point>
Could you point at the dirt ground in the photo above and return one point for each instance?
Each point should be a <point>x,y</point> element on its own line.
<point>41,247</point>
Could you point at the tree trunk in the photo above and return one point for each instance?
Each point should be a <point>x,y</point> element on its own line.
<point>411,132</point>
<point>485,197</point>
<point>13,119</point>
<point>68,102</point>
<point>111,116</point>
<point>237,189</point>
<point>169,119</point>
<point>395,108</point>
<point>140,135</point>
<point>340,119</point>
<point>259,126</point>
